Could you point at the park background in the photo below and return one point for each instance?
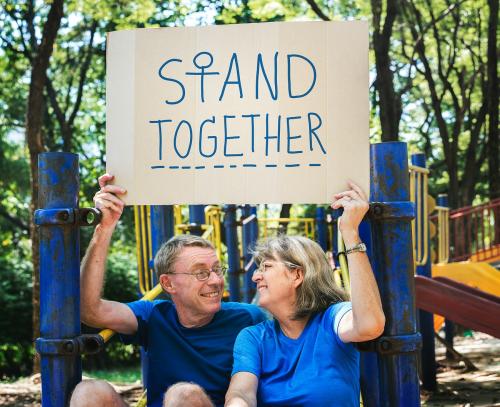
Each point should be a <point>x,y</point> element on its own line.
<point>433,84</point>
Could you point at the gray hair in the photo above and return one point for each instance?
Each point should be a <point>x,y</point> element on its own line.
<point>318,290</point>
<point>169,251</point>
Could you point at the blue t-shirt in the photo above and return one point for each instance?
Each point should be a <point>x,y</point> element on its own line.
<point>200,355</point>
<point>316,369</point>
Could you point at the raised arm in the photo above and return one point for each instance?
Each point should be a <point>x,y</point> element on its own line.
<point>95,311</point>
<point>242,390</point>
<point>367,320</point>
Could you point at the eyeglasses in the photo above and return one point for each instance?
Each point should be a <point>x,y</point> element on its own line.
<point>204,274</point>
<point>266,265</point>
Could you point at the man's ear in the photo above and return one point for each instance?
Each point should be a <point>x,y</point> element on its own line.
<point>298,277</point>
<point>167,284</point>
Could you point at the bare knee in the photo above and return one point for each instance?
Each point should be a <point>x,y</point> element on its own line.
<point>95,393</point>
<point>186,394</point>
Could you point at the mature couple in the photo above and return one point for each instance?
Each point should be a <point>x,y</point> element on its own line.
<point>202,352</point>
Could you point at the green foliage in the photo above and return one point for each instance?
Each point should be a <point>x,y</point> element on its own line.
<point>15,359</point>
<point>123,375</point>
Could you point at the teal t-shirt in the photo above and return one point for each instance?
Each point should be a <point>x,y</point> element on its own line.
<point>200,355</point>
<point>316,369</point>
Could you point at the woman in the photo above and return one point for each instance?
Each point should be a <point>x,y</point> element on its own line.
<point>306,356</point>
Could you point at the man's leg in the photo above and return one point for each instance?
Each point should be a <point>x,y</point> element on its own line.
<point>186,394</point>
<point>91,393</point>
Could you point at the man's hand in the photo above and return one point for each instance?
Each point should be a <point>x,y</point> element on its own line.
<point>108,202</point>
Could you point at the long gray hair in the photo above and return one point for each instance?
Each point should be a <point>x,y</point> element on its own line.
<point>318,290</point>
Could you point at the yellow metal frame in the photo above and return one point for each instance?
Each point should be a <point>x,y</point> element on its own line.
<point>419,176</point>
<point>143,246</point>
<point>309,229</point>
<point>213,231</point>
<point>443,236</point>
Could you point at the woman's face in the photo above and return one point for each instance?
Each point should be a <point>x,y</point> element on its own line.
<point>276,284</point>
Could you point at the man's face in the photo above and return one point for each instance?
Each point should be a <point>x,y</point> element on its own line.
<point>198,298</point>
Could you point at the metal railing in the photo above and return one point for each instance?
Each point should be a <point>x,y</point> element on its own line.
<point>475,232</point>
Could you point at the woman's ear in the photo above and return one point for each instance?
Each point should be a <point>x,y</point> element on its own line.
<point>298,276</point>
<point>167,284</point>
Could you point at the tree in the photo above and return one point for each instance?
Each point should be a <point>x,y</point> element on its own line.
<point>453,86</point>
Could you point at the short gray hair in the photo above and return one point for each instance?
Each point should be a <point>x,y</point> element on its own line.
<point>318,290</point>
<point>169,251</point>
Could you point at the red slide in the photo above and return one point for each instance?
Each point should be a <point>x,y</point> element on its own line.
<point>460,303</point>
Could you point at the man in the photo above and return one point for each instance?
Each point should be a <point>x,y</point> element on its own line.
<point>188,340</point>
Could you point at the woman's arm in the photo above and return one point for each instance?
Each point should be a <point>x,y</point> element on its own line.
<point>242,390</point>
<point>366,320</point>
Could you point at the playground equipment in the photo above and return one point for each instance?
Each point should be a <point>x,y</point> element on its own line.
<point>389,369</point>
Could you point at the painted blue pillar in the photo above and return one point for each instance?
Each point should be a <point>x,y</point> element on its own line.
<point>321,228</point>
<point>162,225</point>
<point>196,219</point>
<point>233,254</point>
<point>162,229</point>
<point>449,326</point>
<point>393,267</point>
<point>426,319</point>
<point>59,183</point>
<point>249,219</point>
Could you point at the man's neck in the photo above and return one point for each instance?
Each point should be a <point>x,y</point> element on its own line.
<point>188,320</point>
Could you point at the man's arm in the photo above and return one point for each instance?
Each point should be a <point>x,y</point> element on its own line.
<point>366,320</point>
<point>95,311</point>
<point>242,390</point>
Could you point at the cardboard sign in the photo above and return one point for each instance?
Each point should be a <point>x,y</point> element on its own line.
<point>251,113</point>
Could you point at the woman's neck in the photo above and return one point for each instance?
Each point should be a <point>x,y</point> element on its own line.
<point>292,328</point>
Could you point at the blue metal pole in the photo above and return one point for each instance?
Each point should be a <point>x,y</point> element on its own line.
<point>162,229</point>
<point>162,225</point>
<point>233,254</point>
<point>393,268</point>
<point>196,218</point>
<point>449,326</point>
<point>248,240</point>
<point>59,184</point>
<point>321,227</point>
<point>428,354</point>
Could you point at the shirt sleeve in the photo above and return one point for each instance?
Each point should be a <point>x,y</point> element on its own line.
<point>142,311</point>
<point>257,315</point>
<point>336,313</point>
<point>247,353</point>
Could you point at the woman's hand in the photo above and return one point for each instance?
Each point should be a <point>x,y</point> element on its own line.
<point>108,202</point>
<point>355,206</point>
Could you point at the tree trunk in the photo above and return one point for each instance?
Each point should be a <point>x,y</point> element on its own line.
<point>34,139</point>
<point>389,101</point>
<point>493,100</point>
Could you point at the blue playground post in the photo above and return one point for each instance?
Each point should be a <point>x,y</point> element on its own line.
<point>428,358</point>
<point>59,276</point>
<point>162,229</point>
<point>321,228</point>
<point>59,219</point>
<point>233,254</point>
<point>249,218</point>
<point>196,219</point>
<point>392,262</point>
<point>449,326</point>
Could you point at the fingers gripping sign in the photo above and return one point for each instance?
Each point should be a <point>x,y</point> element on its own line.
<point>108,201</point>
<point>355,205</point>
